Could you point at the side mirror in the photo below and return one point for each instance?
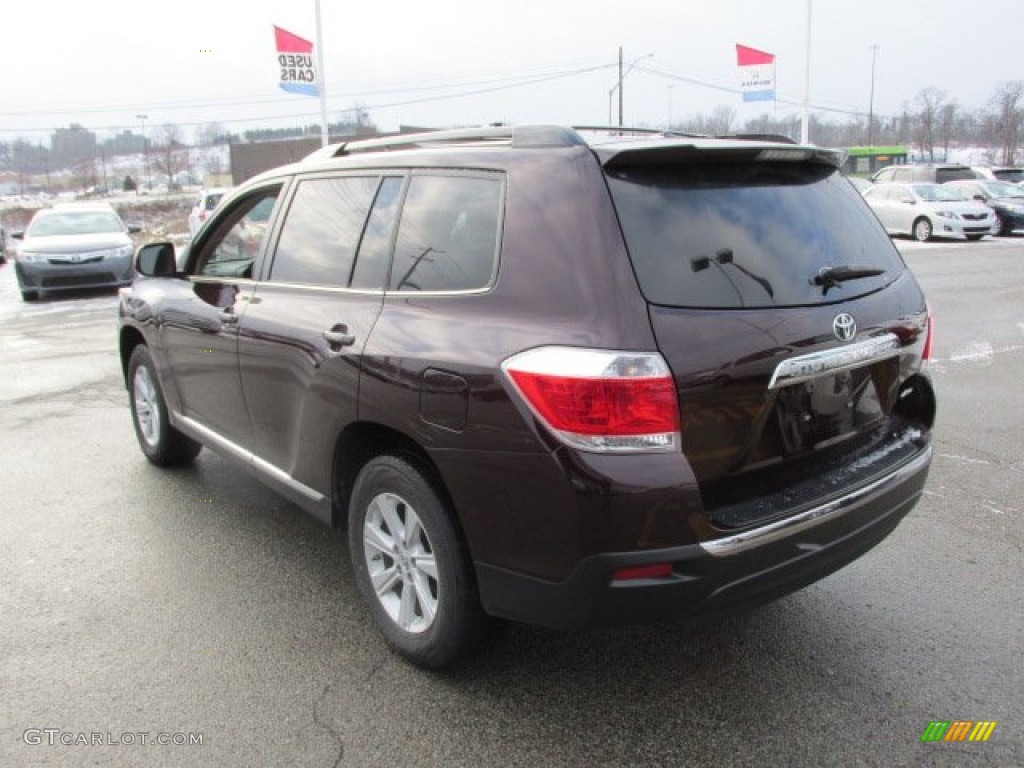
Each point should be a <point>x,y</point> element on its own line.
<point>134,230</point>
<point>980,197</point>
<point>156,260</point>
<point>19,235</point>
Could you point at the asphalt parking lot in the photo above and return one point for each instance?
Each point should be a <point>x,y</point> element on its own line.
<point>143,606</point>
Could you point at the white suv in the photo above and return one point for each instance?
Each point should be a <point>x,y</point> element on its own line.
<point>204,203</point>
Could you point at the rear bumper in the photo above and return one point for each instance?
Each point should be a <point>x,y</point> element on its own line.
<point>737,571</point>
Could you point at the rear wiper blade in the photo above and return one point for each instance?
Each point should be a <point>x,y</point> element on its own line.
<point>830,277</point>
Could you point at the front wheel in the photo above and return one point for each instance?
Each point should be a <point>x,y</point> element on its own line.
<point>922,230</point>
<point>974,237</point>
<point>1001,226</point>
<point>410,565</point>
<point>160,442</point>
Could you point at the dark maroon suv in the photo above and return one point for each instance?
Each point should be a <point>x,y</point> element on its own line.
<point>563,380</point>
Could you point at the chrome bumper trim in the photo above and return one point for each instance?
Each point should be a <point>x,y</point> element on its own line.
<point>740,542</point>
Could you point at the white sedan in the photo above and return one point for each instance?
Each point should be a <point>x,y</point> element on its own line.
<point>929,210</point>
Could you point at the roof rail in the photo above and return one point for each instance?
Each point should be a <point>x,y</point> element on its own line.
<point>516,136</point>
<point>622,130</point>
<point>775,137</point>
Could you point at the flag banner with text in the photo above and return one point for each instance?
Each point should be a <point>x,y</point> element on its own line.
<point>757,73</point>
<point>295,58</point>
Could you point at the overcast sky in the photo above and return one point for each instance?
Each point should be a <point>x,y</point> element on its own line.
<point>446,62</point>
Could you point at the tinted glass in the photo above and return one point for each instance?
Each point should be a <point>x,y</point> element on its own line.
<point>747,234</point>
<point>238,237</point>
<point>1009,174</point>
<point>448,234</point>
<point>953,174</point>
<point>321,230</point>
<point>371,270</point>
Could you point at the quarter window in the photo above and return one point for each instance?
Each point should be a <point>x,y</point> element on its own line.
<point>448,234</point>
<point>322,229</point>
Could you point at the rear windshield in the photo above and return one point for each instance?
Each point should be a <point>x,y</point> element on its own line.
<point>751,234</point>
<point>1009,174</point>
<point>942,175</point>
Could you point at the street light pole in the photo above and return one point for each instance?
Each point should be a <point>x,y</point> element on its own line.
<point>145,147</point>
<point>618,85</point>
<point>871,102</point>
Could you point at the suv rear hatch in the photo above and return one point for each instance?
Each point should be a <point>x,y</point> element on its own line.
<point>793,328</point>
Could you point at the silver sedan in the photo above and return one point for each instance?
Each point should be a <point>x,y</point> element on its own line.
<point>928,210</point>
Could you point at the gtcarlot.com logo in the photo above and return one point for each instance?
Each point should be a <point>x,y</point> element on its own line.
<point>53,737</point>
<point>958,730</point>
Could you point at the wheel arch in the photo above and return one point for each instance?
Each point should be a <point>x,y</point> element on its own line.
<point>130,338</point>
<point>362,441</point>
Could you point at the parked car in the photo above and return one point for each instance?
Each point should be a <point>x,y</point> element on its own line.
<point>71,246</point>
<point>999,173</point>
<point>1005,199</point>
<point>928,210</point>
<point>202,206</point>
<point>861,185</point>
<point>933,173</point>
<point>562,379</point>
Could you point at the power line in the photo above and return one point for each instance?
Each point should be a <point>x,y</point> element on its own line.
<point>490,86</point>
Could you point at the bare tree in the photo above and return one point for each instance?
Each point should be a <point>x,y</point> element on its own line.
<point>927,107</point>
<point>210,134</point>
<point>171,154</point>
<point>1008,119</point>
<point>947,124</point>
<point>722,119</point>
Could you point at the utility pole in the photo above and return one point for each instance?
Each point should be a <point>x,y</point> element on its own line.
<point>145,149</point>
<point>871,102</point>
<point>620,86</point>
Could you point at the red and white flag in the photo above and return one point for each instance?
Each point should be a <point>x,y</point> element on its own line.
<point>298,68</point>
<point>757,73</point>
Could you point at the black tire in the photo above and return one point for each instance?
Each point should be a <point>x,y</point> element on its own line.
<point>160,442</point>
<point>922,230</point>
<point>1001,227</point>
<point>29,296</point>
<point>974,237</point>
<point>425,601</point>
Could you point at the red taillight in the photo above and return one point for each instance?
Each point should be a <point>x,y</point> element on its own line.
<point>926,355</point>
<point>600,400</point>
<point>637,572</point>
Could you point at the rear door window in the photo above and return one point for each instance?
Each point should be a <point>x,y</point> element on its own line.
<point>321,230</point>
<point>747,234</point>
<point>448,233</point>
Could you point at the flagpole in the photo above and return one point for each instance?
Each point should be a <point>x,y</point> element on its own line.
<point>805,120</point>
<point>324,140</point>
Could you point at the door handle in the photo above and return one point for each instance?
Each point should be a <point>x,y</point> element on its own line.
<point>339,336</point>
<point>226,316</point>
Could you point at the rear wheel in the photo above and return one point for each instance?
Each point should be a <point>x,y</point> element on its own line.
<point>29,296</point>
<point>410,565</point>
<point>163,444</point>
<point>922,230</point>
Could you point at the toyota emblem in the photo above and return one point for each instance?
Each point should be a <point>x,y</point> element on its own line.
<point>844,327</point>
